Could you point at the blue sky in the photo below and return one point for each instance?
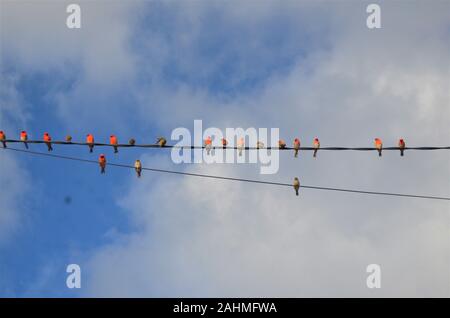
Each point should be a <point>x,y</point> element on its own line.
<point>143,68</point>
<point>71,208</point>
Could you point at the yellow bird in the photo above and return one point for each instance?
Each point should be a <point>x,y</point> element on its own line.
<point>138,168</point>
<point>296,185</point>
<point>161,141</point>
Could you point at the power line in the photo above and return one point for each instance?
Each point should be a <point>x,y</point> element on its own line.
<point>97,144</point>
<point>231,178</point>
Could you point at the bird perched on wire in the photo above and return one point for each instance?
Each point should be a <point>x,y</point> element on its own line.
<point>316,146</point>
<point>224,143</point>
<point>401,146</point>
<point>24,138</point>
<point>281,144</point>
<point>241,145</point>
<point>68,138</point>
<point>90,142</point>
<point>131,142</point>
<point>113,141</point>
<point>48,141</point>
<point>378,146</point>
<point>161,141</point>
<point>296,147</point>
<point>208,145</point>
<point>296,185</point>
<point>259,145</point>
<point>102,163</point>
<point>138,168</point>
<point>3,138</point>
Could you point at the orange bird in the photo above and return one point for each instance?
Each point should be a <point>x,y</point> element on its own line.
<point>90,142</point>
<point>48,141</point>
<point>208,144</point>
<point>281,144</point>
<point>316,146</point>
<point>113,142</point>
<point>102,163</point>
<point>296,147</point>
<point>241,145</point>
<point>24,138</point>
<point>3,138</point>
<point>378,146</point>
<point>401,146</point>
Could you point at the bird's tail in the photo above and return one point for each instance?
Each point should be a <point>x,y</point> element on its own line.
<point>296,192</point>
<point>296,153</point>
<point>315,153</point>
<point>26,145</point>
<point>4,144</point>
<point>401,152</point>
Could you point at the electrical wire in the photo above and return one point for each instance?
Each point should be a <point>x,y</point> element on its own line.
<point>97,144</point>
<point>233,179</point>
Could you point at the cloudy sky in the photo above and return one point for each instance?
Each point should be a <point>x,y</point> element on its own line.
<point>143,68</point>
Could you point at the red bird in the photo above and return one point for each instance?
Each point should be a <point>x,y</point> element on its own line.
<point>24,138</point>
<point>224,143</point>
<point>3,138</point>
<point>102,163</point>
<point>378,146</point>
<point>296,147</point>
<point>401,146</point>
<point>316,146</point>
<point>208,144</point>
<point>90,142</point>
<point>113,142</point>
<point>48,141</point>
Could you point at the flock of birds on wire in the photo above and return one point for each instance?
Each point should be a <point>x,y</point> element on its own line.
<point>161,142</point>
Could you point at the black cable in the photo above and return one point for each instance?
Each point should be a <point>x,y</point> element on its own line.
<point>233,179</point>
<point>97,144</point>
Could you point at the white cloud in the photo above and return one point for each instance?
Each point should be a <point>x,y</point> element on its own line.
<point>217,238</point>
<point>210,238</point>
<point>93,64</point>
